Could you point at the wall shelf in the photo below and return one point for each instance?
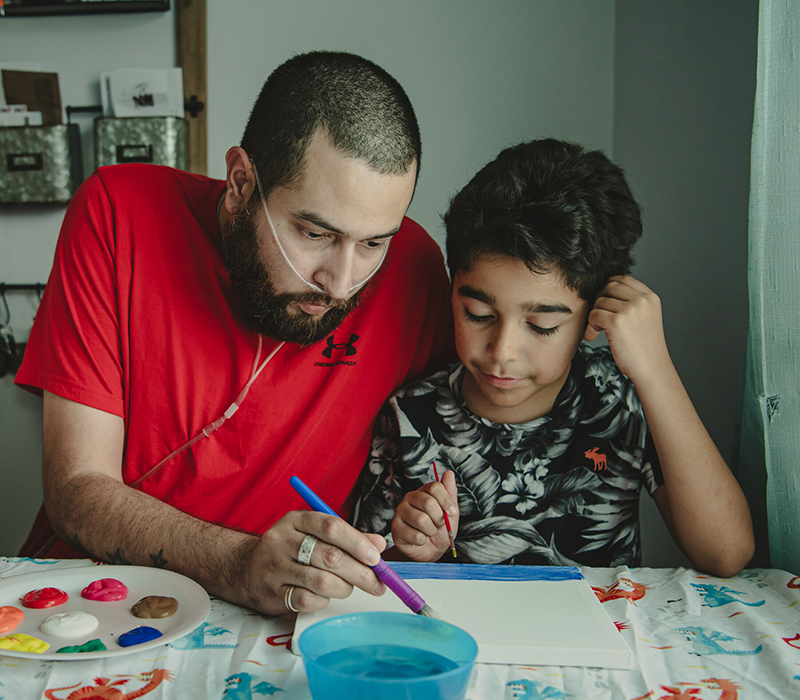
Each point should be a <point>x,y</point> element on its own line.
<point>33,8</point>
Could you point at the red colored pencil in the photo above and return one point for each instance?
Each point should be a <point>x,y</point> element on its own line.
<point>447,520</point>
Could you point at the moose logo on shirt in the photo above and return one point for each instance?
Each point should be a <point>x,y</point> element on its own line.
<point>598,459</point>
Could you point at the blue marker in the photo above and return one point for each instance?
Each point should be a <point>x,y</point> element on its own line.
<point>382,570</point>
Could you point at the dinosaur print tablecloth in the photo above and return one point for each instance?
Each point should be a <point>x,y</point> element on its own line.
<point>694,637</point>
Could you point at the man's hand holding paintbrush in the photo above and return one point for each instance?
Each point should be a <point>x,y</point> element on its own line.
<point>419,529</point>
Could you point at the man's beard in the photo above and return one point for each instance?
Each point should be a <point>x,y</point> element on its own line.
<point>261,308</point>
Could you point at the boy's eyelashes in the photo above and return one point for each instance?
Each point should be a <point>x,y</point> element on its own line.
<point>475,318</point>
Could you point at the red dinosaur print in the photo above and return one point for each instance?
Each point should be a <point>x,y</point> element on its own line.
<point>280,640</point>
<point>789,640</point>
<point>674,693</point>
<point>730,691</point>
<point>614,592</point>
<point>794,583</point>
<point>103,687</point>
<point>598,459</point>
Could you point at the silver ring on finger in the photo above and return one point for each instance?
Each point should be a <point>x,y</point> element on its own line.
<point>288,599</point>
<point>306,548</point>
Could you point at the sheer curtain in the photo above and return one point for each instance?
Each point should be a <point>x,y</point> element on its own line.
<point>769,456</point>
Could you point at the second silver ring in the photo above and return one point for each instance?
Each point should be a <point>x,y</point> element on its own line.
<point>306,548</point>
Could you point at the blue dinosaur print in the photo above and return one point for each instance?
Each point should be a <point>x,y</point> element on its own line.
<point>717,596</point>
<point>533,690</point>
<point>237,687</point>
<point>707,644</point>
<point>196,639</point>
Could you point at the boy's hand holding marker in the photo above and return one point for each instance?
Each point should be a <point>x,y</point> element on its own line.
<point>419,529</point>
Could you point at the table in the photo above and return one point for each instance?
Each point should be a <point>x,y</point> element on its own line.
<point>694,637</point>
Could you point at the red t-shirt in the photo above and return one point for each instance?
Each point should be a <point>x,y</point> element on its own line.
<point>137,320</point>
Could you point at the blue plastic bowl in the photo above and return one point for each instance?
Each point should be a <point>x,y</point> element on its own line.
<point>387,656</point>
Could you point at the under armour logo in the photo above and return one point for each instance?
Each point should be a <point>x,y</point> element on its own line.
<point>349,347</point>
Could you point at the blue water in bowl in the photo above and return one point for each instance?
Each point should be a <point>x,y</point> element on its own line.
<point>386,661</point>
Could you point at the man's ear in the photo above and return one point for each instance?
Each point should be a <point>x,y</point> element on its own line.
<point>240,180</point>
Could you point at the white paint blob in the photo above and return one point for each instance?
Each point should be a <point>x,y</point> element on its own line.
<point>73,624</point>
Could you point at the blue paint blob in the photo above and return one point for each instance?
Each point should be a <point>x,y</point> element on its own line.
<point>138,635</point>
<point>386,661</point>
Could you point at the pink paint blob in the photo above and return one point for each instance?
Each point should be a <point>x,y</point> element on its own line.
<point>44,598</point>
<point>105,590</point>
<point>10,617</point>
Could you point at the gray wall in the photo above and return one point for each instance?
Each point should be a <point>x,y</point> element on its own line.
<point>481,76</point>
<point>683,115</point>
<point>79,47</point>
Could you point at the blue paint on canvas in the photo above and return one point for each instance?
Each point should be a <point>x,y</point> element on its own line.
<point>486,572</point>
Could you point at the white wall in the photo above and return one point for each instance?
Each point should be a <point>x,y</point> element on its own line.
<point>79,47</point>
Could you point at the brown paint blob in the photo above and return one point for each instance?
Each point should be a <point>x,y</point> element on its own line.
<point>155,606</point>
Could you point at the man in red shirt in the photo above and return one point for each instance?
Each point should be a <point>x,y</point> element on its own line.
<point>201,341</point>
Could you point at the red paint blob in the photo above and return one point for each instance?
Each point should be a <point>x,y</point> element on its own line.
<point>44,598</point>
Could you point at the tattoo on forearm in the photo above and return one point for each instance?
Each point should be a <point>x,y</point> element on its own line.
<point>75,542</point>
<point>158,560</point>
<point>116,557</point>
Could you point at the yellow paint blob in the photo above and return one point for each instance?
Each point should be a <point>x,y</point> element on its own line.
<point>23,642</point>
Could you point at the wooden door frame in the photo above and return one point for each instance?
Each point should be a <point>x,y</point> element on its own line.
<point>190,26</point>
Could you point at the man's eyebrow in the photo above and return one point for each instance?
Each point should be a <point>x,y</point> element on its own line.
<point>317,220</point>
<point>537,308</point>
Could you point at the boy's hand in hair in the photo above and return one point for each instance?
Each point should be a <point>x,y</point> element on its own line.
<point>418,528</point>
<point>701,502</point>
<point>630,315</point>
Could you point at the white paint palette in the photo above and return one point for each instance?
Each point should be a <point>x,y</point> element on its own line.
<point>526,615</point>
<point>115,618</point>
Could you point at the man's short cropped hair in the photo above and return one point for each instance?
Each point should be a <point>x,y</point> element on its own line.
<point>553,205</point>
<point>363,110</point>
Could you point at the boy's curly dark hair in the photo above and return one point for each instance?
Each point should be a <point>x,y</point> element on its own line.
<point>555,206</point>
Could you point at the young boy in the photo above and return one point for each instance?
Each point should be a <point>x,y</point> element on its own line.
<point>543,442</point>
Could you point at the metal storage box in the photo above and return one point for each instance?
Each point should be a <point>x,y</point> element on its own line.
<point>40,163</point>
<point>159,140</point>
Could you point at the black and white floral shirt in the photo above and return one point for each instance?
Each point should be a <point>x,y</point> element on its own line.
<point>562,489</point>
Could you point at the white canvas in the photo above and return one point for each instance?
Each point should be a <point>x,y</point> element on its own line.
<point>540,621</point>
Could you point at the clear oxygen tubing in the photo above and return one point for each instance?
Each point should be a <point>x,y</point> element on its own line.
<point>313,286</point>
<point>217,424</point>
<point>205,432</point>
